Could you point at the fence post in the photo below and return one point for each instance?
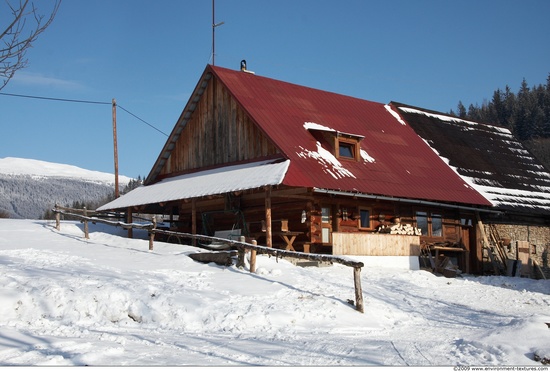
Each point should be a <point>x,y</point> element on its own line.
<point>152,234</point>
<point>253,258</point>
<point>241,252</point>
<point>358,290</point>
<point>130,220</point>
<point>86,231</point>
<point>57,217</point>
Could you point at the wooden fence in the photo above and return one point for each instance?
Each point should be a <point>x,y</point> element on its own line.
<point>242,246</point>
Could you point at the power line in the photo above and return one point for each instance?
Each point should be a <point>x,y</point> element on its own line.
<point>55,99</point>
<point>140,119</point>
<point>82,101</point>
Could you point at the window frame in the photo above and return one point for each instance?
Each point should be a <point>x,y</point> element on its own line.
<point>360,219</point>
<point>351,144</point>
<point>431,217</point>
<point>326,224</point>
<point>439,225</point>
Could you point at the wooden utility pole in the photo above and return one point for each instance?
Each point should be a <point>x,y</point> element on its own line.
<point>117,193</point>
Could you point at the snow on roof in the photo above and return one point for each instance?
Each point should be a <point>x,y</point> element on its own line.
<point>320,127</point>
<point>326,159</point>
<point>496,165</point>
<point>366,157</point>
<point>394,114</point>
<point>316,126</point>
<point>437,116</point>
<point>506,197</point>
<point>500,196</point>
<point>330,164</point>
<point>493,128</point>
<point>209,182</point>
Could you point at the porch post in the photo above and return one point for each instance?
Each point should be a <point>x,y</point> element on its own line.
<point>194,220</point>
<point>268,232</point>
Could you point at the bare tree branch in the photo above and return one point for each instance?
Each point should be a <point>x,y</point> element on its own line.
<point>16,39</point>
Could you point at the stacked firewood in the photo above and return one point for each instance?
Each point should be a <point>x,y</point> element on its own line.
<point>399,229</point>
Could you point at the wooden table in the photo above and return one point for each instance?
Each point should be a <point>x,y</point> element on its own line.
<point>289,238</point>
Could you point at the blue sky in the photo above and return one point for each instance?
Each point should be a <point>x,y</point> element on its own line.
<point>149,55</point>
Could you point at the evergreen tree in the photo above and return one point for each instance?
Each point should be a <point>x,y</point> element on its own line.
<point>497,109</point>
<point>461,110</point>
<point>510,107</point>
<point>474,113</point>
<point>525,116</point>
<point>546,109</point>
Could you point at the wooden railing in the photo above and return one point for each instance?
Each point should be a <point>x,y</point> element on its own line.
<point>242,246</point>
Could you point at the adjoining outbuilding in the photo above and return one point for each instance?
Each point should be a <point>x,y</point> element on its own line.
<point>494,162</point>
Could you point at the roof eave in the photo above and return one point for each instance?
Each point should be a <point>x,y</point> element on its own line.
<point>487,209</point>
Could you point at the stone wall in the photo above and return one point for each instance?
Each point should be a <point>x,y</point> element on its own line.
<point>539,244</point>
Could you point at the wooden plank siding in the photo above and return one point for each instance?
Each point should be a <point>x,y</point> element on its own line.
<point>357,244</point>
<point>219,132</point>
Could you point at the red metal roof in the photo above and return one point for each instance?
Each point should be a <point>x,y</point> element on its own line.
<point>404,165</point>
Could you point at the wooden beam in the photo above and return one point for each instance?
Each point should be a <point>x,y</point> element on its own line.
<point>269,229</point>
<point>86,231</point>
<point>294,193</point>
<point>486,243</point>
<point>152,233</point>
<point>358,290</point>
<point>194,220</point>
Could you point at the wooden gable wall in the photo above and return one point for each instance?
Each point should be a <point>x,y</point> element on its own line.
<point>219,132</point>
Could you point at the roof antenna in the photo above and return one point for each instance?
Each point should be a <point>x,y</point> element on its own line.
<point>214,25</point>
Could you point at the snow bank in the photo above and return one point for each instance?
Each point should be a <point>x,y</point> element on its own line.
<point>109,301</point>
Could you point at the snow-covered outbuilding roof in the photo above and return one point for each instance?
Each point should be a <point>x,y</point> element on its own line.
<point>209,182</point>
<point>487,157</point>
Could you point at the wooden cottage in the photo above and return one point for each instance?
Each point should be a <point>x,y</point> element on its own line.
<point>494,162</point>
<point>308,170</point>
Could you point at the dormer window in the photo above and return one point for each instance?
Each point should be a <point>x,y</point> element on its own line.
<point>347,148</point>
<point>343,145</point>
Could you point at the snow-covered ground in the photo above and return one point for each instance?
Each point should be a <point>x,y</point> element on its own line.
<point>109,301</point>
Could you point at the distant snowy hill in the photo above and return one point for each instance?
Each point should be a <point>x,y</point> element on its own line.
<point>30,187</point>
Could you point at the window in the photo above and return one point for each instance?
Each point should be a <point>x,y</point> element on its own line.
<point>466,221</point>
<point>430,224</point>
<point>326,227</point>
<point>422,222</point>
<point>341,144</point>
<point>364,218</point>
<point>346,150</point>
<point>437,225</point>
